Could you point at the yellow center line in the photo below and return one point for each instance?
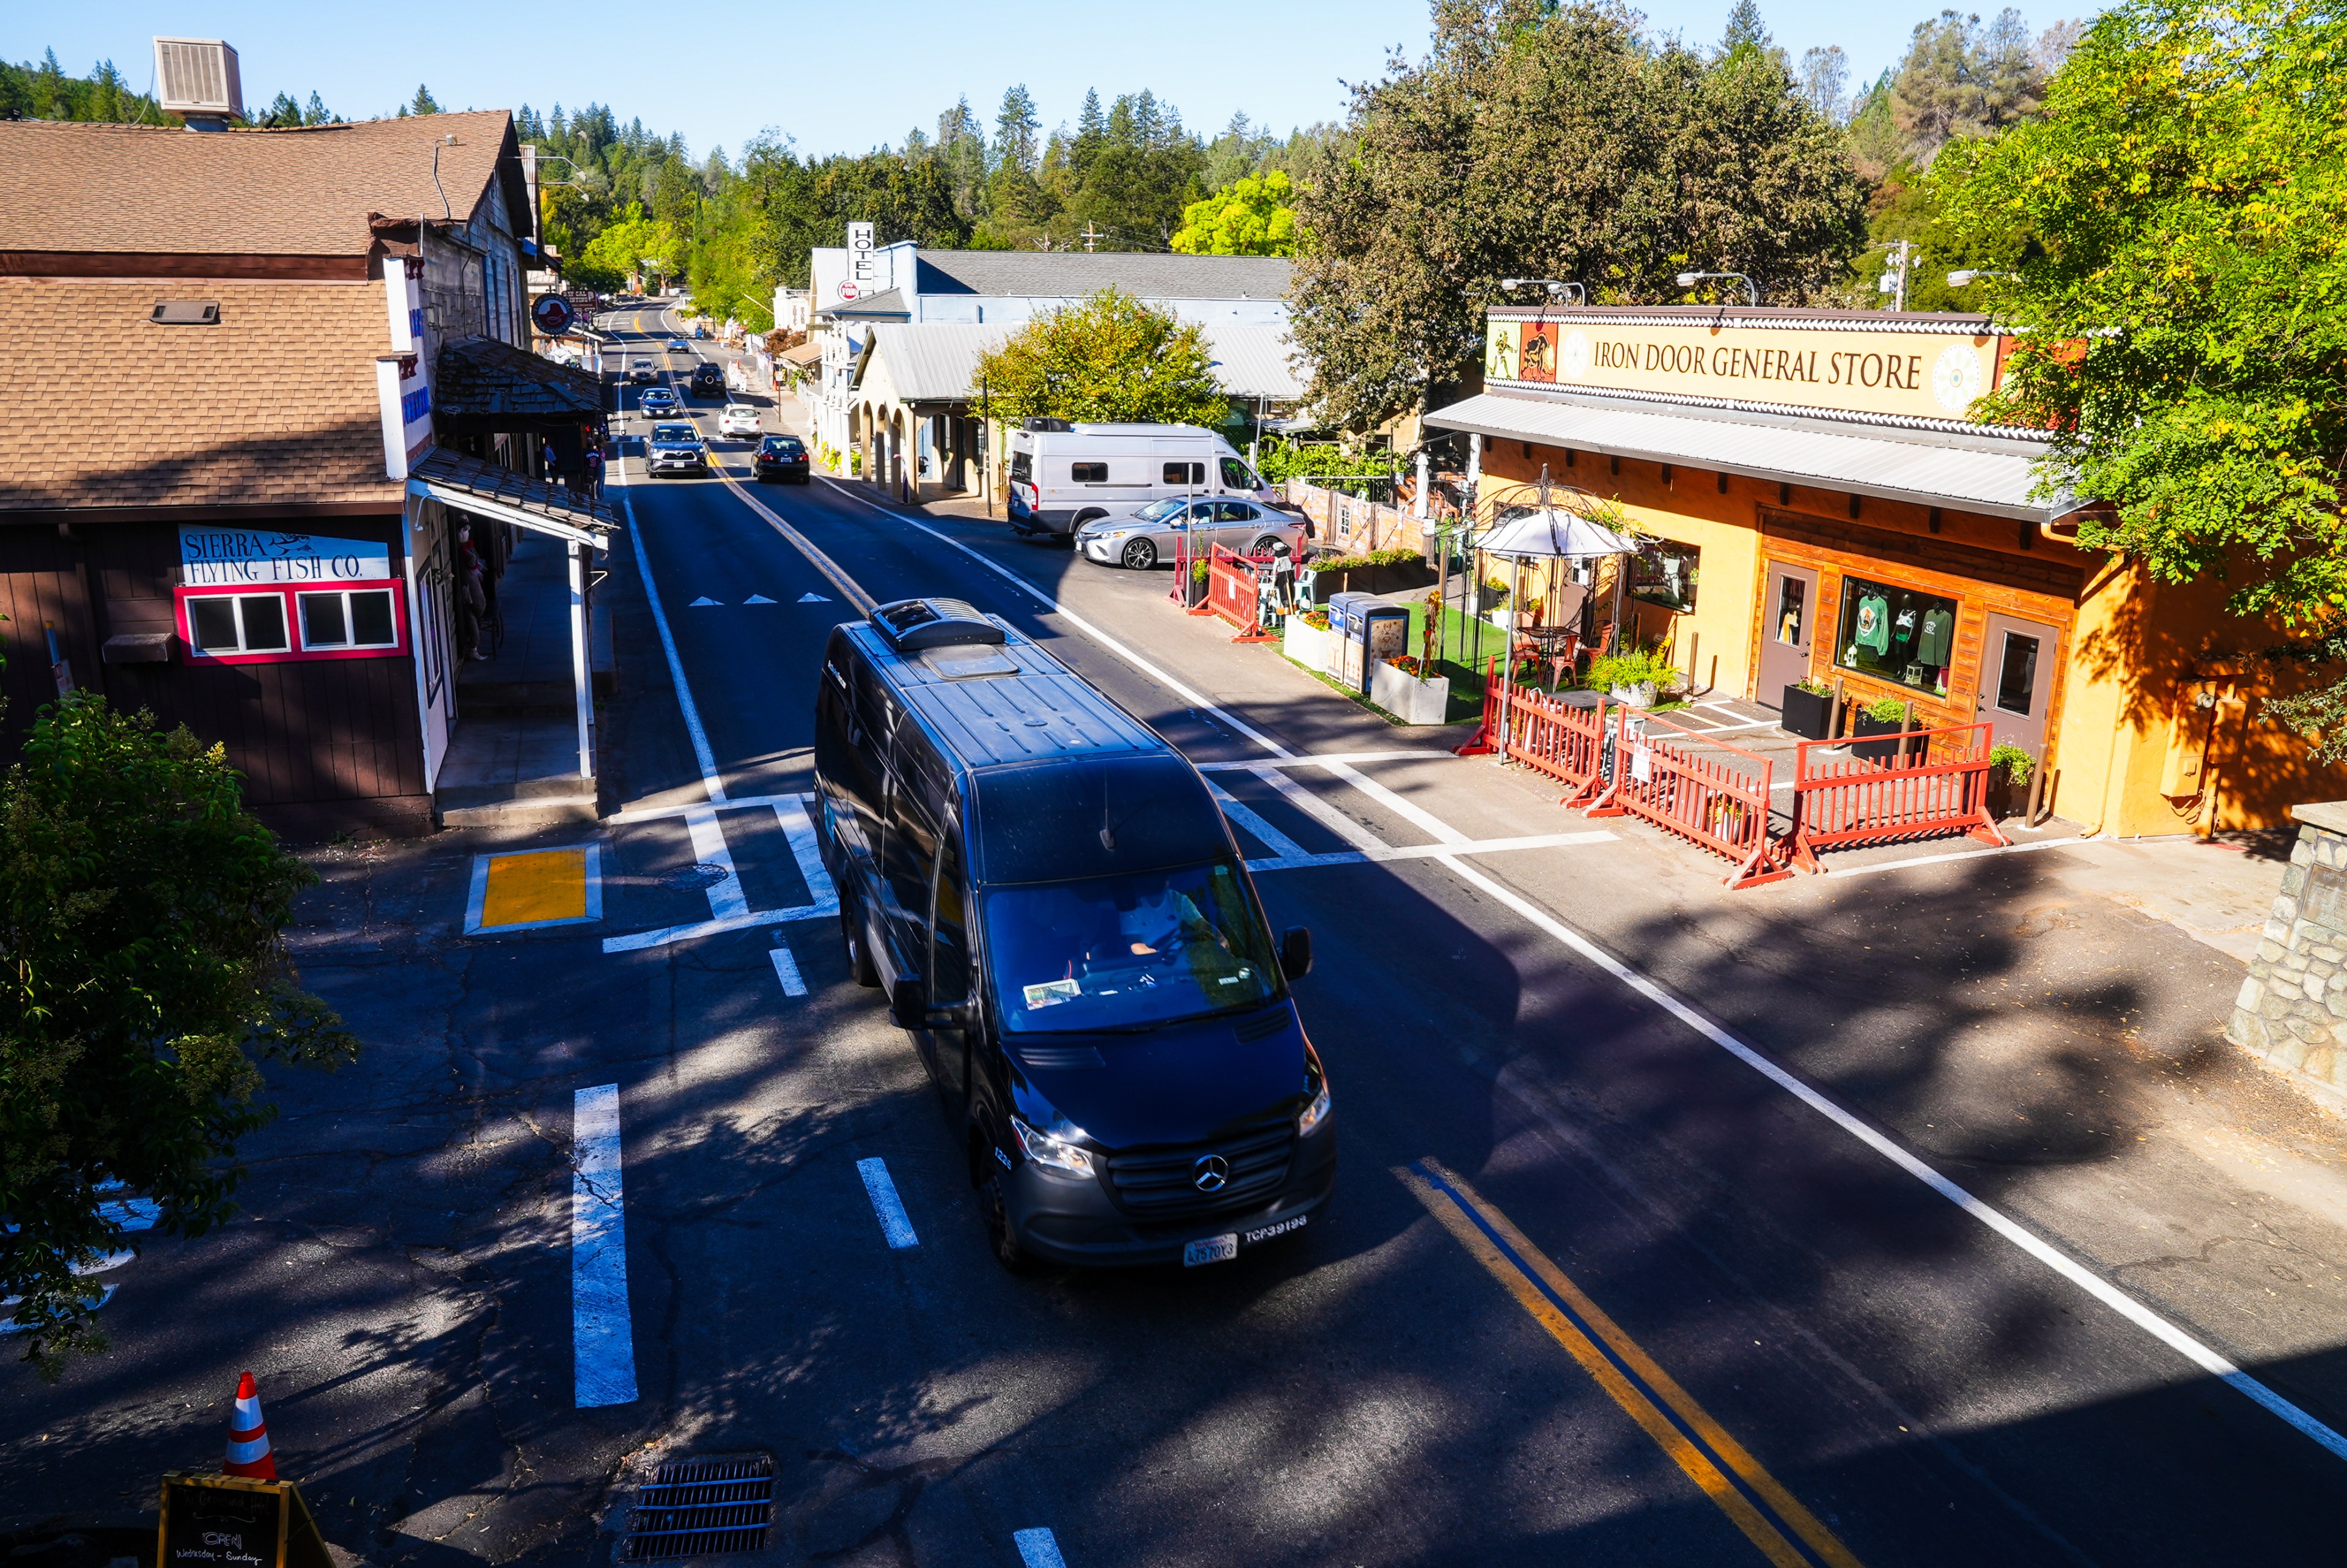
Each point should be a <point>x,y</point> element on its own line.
<point>1759,1505</point>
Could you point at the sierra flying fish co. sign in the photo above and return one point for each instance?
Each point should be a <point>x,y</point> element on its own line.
<point>1901,374</point>
<point>227,558</point>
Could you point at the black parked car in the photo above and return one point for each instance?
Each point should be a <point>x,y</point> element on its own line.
<point>708,380</point>
<point>1060,917</point>
<point>780,457</point>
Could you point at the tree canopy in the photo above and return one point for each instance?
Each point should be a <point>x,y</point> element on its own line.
<point>1255,216</point>
<point>1111,358</point>
<point>140,908</point>
<point>2174,240</point>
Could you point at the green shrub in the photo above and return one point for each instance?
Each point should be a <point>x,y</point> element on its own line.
<point>2010,760</point>
<point>1883,710</point>
<point>1637,666</point>
<point>1398,556</point>
<point>1814,687</point>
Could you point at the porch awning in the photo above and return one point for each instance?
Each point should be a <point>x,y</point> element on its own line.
<point>808,352</point>
<point>482,384</point>
<point>470,485</point>
<point>1985,474</point>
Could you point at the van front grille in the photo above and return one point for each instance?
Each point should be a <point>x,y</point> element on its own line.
<point>1162,1183</point>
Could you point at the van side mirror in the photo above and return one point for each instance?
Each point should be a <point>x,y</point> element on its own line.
<point>908,1003</point>
<point>1296,952</point>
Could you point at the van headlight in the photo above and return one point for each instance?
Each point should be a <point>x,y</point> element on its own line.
<point>1056,1150</point>
<point>1316,1109</point>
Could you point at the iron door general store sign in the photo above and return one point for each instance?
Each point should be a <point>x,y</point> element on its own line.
<point>227,558</point>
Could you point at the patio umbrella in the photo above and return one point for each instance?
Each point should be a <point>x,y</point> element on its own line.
<point>1554,532</point>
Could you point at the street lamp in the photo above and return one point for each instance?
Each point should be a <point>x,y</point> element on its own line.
<point>1964,275</point>
<point>1751,291</point>
<point>1571,294</point>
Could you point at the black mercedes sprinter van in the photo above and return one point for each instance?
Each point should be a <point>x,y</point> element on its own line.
<point>1060,915</point>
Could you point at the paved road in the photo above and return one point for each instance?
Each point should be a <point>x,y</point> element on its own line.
<point>1592,1289</point>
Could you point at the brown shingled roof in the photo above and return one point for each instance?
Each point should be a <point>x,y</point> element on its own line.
<point>73,187</point>
<point>276,405</point>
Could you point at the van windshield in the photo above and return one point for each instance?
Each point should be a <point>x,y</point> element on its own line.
<point>1127,951</point>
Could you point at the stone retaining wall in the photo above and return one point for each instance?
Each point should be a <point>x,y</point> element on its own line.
<point>2291,1014</point>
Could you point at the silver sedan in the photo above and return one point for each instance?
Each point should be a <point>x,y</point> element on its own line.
<point>1155,533</point>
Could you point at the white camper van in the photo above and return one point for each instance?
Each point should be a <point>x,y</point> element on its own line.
<point>1063,475</point>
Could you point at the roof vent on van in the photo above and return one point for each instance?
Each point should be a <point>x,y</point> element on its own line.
<point>1056,426</point>
<point>911,625</point>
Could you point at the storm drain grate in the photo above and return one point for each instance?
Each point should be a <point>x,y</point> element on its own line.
<point>695,1506</point>
<point>693,878</point>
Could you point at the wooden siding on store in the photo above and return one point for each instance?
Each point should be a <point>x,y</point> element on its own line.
<point>1980,582</point>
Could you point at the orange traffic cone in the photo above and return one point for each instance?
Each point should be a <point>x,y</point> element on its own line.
<point>248,1436</point>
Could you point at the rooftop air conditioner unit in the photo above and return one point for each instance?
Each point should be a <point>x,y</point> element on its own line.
<point>197,77</point>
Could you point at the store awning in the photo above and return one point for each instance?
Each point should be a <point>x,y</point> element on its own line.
<point>1985,473</point>
<point>470,485</point>
<point>481,384</point>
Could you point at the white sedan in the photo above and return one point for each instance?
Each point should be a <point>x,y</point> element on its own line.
<point>740,419</point>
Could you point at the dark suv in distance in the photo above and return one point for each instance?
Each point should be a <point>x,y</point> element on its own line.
<point>780,457</point>
<point>708,380</point>
<point>1050,898</point>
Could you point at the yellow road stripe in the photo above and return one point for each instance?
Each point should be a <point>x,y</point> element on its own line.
<point>1635,1402</point>
<point>541,885</point>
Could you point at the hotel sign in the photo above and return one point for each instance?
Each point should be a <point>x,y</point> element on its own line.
<point>1901,374</point>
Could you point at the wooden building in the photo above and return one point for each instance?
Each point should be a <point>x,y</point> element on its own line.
<point>225,348</point>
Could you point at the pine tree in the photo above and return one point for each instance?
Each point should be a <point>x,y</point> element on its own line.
<point>1015,128</point>
<point>317,113</point>
<point>423,103</point>
<point>1745,28</point>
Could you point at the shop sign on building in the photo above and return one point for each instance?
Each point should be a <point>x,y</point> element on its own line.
<point>216,557</point>
<point>1906,375</point>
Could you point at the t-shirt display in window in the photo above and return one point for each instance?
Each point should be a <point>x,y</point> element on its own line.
<point>1897,634</point>
<point>1939,632</point>
<point>1873,623</point>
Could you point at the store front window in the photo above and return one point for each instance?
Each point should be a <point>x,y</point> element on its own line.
<point>1896,634</point>
<point>1663,573</point>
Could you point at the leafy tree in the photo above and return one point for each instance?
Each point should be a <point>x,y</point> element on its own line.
<point>804,204</point>
<point>44,91</point>
<point>1109,358</point>
<point>423,103</point>
<point>1249,216</point>
<point>2173,230</point>
<point>139,909</point>
<point>1962,80</point>
<point>625,246</point>
<point>1825,83</point>
<point>1554,142</point>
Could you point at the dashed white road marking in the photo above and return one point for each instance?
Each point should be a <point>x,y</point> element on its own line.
<point>602,1336</point>
<point>709,848</point>
<point>895,1225</point>
<point>786,969</point>
<point>705,603</point>
<point>1037,1549</point>
<point>1246,817</point>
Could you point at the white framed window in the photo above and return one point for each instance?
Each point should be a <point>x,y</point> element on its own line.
<point>347,618</point>
<point>229,623</point>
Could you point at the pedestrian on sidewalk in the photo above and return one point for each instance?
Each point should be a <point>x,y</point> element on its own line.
<point>594,469</point>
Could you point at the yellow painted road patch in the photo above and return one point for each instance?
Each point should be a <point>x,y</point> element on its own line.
<point>534,888</point>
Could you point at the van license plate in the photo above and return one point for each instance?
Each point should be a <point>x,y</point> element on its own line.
<point>1214,1249</point>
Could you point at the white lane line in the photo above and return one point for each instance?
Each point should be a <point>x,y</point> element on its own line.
<point>2028,1242</point>
<point>791,813</point>
<point>1325,759</point>
<point>1442,830</point>
<point>1429,851</point>
<point>1244,815</point>
<point>1037,1549</point>
<point>602,1339</point>
<point>725,900</point>
<point>895,1226</point>
<point>1321,812</point>
<point>2111,1295</point>
<point>786,969</point>
<point>701,752</point>
<point>1953,854</point>
<point>1164,677</point>
<point>731,803</point>
<point>637,941</point>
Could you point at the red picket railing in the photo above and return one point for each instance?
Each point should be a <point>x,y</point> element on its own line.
<point>1938,784</point>
<point>1560,739</point>
<point>1720,804</point>
<point>1234,593</point>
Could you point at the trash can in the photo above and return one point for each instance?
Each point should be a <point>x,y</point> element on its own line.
<point>1368,630</point>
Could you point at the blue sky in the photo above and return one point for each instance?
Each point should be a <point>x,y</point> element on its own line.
<point>843,77</point>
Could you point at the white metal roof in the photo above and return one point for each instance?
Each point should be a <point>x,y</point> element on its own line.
<point>937,362</point>
<point>1985,475</point>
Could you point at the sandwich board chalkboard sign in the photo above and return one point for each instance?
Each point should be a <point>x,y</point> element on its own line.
<point>228,1519</point>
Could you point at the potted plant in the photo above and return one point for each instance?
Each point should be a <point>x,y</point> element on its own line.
<point>1195,591</point>
<point>1883,716</point>
<point>1402,688</point>
<point>1632,676</point>
<point>1808,708</point>
<point>2009,768</point>
<point>1307,639</point>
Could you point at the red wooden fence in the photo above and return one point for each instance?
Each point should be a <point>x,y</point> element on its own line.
<point>1234,591</point>
<point>1940,784</point>
<point>1560,739</point>
<point>1720,803</point>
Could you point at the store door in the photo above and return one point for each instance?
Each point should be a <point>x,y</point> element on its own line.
<point>2017,663</point>
<point>1789,612</point>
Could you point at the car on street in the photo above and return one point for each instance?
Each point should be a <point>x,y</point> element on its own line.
<point>675,448</point>
<point>1046,893</point>
<point>1158,532</point>
<point>708,380</point>
<point>658,400</point>
<point>641,370</point>
<point>678,345</point>
<point>739,419</point>
<point>780,457</point>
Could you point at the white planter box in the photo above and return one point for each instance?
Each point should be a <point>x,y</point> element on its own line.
<point>1308,644</point>
<point>1639,696</point>
<point>1408,698</point>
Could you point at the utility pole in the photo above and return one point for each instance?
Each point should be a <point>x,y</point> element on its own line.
<point>1091,234</point>
<point>1894,281</point>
